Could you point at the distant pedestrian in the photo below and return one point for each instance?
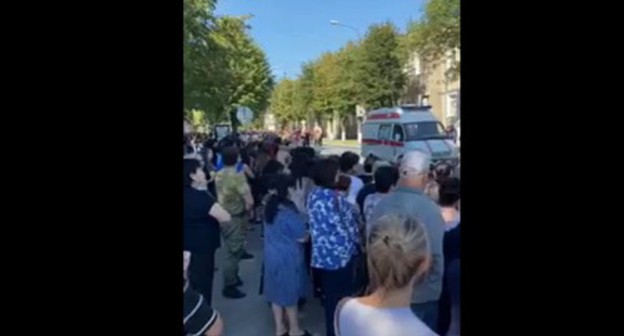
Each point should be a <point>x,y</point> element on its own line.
<point>318,135</point>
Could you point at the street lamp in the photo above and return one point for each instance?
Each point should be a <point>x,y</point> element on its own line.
<point>338,23</point>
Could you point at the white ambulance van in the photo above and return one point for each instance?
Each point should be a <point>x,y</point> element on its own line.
<point>387,133</point>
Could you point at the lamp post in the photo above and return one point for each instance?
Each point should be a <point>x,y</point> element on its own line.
<point>338,23</point>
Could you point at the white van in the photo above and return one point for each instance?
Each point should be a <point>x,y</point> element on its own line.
<point>389,132</point>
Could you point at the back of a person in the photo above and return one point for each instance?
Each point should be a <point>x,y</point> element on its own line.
<point>354,189</point>
<point>415,204</point>
<point>358,319</point>
<point>278,233</point>
<point>370,203</point>
<point>228,184</point>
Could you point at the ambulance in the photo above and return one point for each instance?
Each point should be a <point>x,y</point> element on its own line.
<point>387,133</point>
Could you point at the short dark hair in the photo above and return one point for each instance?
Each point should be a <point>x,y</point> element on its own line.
<point>230,156</point>
<point>449,192</point>
<point>344,183</point>
<point>190,167</point>
<point>325,173</point>
<point>368,163</point>
<point>348,160</point>
<point>273,167</point>
<point>385,178</point>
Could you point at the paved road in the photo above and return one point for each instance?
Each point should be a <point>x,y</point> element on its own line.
<point>337,150</point>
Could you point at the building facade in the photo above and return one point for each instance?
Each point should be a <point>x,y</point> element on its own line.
<point>428,84</point>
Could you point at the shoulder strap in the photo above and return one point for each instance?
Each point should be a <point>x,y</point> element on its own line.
<point>339,306</point>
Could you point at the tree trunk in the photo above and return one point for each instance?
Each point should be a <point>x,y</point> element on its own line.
<point>335,125</point>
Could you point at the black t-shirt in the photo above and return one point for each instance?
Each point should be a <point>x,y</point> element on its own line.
<point>198,316</point>
<point>201,231</point>
<point>367,178</point>
<point>368,189</point>
<point>451,245</point>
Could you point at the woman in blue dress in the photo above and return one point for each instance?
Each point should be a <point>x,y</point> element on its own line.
<point>285,276</point>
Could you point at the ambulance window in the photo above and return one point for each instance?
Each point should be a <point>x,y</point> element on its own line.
<point>384,132</point>
<point>397,135</point>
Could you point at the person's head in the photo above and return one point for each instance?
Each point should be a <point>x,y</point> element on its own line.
<point>273,167</point>
<point>385,178</point>
<point>325,173</point>
<point>398,252</point>
<point>348,160</point>
<point>448,192</point>
<point>279,185</point>
<point>299,165</point>
<point>442,172</point>
<point>344,183</point>
<point>188,149</point>
<point>261,160</point>
<point>414,169</point>
<point>378,164</point>
<point>192,172</point>
<point>230,156</point>
<point>245,156</point>
<point>368,163</point>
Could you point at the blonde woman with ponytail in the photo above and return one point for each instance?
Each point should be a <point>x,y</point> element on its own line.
<point>398,258</point>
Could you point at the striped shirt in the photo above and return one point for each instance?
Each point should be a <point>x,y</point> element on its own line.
<point>198,316</point>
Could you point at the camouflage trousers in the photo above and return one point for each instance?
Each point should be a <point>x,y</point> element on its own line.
<point>234,233</point>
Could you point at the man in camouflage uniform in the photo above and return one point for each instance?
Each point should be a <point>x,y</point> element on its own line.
<point>235,196</point>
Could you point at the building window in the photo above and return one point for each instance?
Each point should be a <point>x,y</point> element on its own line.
<point>452,105</point>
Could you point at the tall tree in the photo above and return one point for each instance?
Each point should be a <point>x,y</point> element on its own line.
<point>438,33</point>
<point>205,67</point>
<point>283,103</point>
<point>252,81</point>
<point>304,93</point>
<point>378,71</point>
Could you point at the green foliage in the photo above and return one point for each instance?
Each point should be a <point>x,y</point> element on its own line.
<point>246,62</point>
<point>223,66</point>
<point>367,73</point>
<point>437,33</point>
<point>370,72</point>
<point>283,102</point>
<point>378,71</point>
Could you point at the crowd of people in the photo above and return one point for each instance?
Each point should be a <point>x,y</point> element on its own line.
<point>377,244</point>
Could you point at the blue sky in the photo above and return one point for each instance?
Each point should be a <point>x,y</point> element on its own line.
<point>295,31</point>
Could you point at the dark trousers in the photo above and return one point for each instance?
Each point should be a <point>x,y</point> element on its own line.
<point>201,273</point>
<point>336,285</point>
<point>444,311</point>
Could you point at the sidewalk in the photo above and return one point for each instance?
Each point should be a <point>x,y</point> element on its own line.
<point>252,315</point>
<point>341,143</point>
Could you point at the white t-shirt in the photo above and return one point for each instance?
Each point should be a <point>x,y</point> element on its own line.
<point>358,319</point>
<point>354,189</point>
